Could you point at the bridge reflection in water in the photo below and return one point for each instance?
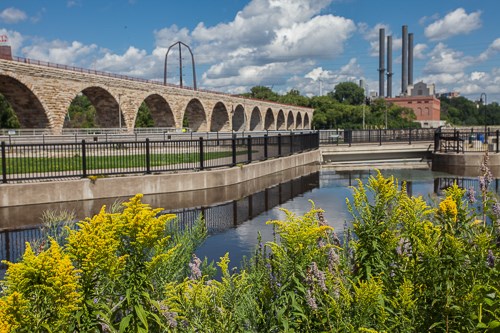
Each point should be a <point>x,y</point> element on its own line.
<point>218,218</point>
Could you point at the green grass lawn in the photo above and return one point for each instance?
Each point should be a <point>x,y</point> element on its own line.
<point>17,165</point>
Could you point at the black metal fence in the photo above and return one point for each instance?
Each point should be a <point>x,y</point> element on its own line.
<point>380,136</point>
<point>464,141</point>
<point>38,161</point>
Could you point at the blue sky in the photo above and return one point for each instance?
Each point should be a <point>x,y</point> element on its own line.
<point>283,44</point>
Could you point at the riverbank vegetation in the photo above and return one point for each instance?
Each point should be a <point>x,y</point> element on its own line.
<point>404,266</point>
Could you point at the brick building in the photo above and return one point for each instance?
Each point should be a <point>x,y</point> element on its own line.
<point>420,98</point>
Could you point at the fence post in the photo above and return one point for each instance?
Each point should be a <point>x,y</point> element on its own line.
<point>233,148</point>
<point>291,143</point>
<point>498,136</point>
<point>265,146</point>
<point>436,140</point>
<point>84,159</point>
<point>148,157</point>
<point>457,137</point>
<point>380,137</point>
<point>201,153</point>
<point>4,164</point>
<point>409,137</point>
<point>279,144</point>
<point>249,148</point>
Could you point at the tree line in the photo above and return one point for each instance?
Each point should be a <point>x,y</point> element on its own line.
<point>344,107</point>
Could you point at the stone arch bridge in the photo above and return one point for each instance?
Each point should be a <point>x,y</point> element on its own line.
<point>41,93</point>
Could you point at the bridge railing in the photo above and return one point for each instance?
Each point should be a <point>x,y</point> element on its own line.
<point>42,161</point>
<point>130,78</point>
<point>380,136</point>
<point>464,141</point>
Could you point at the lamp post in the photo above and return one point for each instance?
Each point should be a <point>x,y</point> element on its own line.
<point>484,102</point>
<point>119,112</point>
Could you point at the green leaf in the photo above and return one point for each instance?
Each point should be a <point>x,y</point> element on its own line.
<point>139,310</point>
<point>124,323</point>
<point>494,324</point>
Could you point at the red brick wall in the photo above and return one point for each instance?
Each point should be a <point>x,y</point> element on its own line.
<point>426,108</point>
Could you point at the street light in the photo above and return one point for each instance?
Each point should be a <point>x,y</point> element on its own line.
<point>484,102</point>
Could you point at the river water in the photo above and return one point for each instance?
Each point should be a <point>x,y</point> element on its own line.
<point>237,214</point>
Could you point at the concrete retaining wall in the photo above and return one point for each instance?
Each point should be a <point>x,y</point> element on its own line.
<point>85,189</point>
<point>468,164</point>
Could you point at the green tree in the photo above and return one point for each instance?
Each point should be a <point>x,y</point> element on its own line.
<point>348,93</point>
<point>81,113</point>
<point>144,118</point>
<point>293,97</point>
<point>8,118</point>
<point>263,93</point>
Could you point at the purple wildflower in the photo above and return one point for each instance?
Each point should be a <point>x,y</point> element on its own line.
<point>311,301</point>
<point>333,259</point>
<point>490,259</point>
<point>471,195</point>
<point>170,316</point>
<point>321,243</point>
<point>496,209</point>
<point>319,275</point>
<point>195,268</point>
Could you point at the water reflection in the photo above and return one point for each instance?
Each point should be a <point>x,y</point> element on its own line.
<point>234,224</point>
<point>218,217</point>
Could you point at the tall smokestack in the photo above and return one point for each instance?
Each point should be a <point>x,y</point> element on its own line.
<point>389,66</point>
<point>404,61</point>
<point>410,59</point>
<point>381,69</point>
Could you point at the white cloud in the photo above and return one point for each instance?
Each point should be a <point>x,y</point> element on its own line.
<point>12,15</point>
<point>491,51</point>
<point>454,23</point>
<point>168,36</point>
<point>134,62</point>
<point>418,51</point>
<point>444,60</point>
<point>59,52</point>
<point>309,84</point>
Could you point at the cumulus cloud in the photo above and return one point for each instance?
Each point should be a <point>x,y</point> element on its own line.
<point>12,15</point>
<point>491,51</point>
<point>454,23</point>
<point>419,51</point>
<point>59,52</point>
<point>310,83</point>
<point>269,40</point>
<point>144,65</point>
<point>444,60</point>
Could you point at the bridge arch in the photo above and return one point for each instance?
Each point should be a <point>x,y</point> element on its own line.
<point>160,110</point>
<point>306,121</point>
<point>298,122</point>
<point>255,120</point>
<point>30,110</point>
<point>289,120</point>
<point>239,118</point>
<point>220,118</point>
<point>280,121</point>
<point>269,121</point>
<point>108,111</point>
<point>194,116</point>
